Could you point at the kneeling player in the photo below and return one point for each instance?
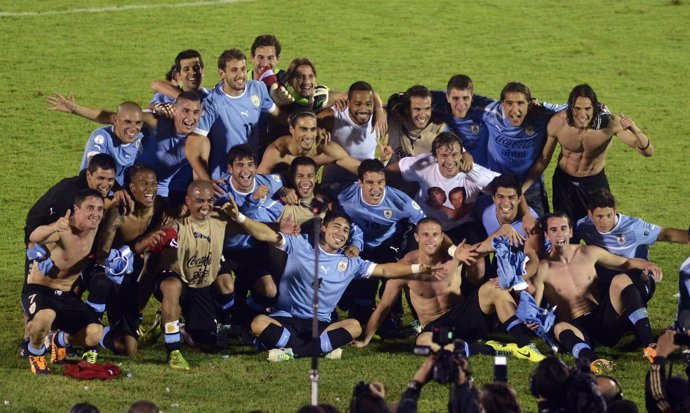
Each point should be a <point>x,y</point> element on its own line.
<point>59,253</point>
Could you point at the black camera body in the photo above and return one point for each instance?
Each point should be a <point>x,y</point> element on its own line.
<point>446,368</point>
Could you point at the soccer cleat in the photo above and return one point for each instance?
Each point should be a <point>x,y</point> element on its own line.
<point>415,326</point>
<point>38,364</point>
<point>177,361</point>
<point>529,352</point>
<point>601,366</point>
<point>650,352</point>
<point>336,354</point>
<point>58,354</point>
<point>90,356</point>
<point>280,354</point>
<point>153,331</point>
<point>498,347</point>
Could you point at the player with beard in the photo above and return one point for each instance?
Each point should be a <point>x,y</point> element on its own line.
<point>352,129</point>
<point>411,125</point>
<point>585,134</point>
<point>567,278</point>
<point>288,329</point>
<point>305,139</point>
<point>439,303</point>
<point>60,251</point>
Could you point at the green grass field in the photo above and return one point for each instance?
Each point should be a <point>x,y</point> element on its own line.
<point>634,54</point>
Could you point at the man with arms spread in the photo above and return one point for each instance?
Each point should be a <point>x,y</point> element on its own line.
<point>189,282</point>
<point>585,135</point>
<point>231,115</point>
<point>305,139</point>
<point>567,279</point>
<point>48,298</point>
<point>288,329</point>
<point>352,129</point>
<point>516,133</point>
<point>439,303</point>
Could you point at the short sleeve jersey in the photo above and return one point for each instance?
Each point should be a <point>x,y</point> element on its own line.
<point>104,140</point>
<point>163,151</point>
<point>513,149</point>
<point>381,222</point>
<point>296,289</point>
<point>630,237</point>
<point>266,209</point>
<point>232,120</point>
<point>199,248</point>
<point>487,211</point>
<point>435,189</point>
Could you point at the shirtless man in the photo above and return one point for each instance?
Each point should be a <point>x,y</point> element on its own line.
<point>439,303</point>
<point>137,230</point>
<point>305,139</point>
<point>585,135</point>
<point>48,298</point>
<point>567,278</point>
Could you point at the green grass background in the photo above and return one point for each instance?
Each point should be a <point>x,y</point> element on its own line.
<point>634,54</point>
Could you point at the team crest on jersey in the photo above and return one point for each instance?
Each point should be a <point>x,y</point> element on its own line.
<point>529,129</point>
<point>387,213</point>
<point>276,177</point>
<point>620,239</point>
<point>415,205</point>
<point>342,266</point>
<point>99,140</point>
<point>255,100</point>
<point>475,129</point>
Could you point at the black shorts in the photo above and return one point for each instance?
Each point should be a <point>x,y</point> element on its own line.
<point>248,264</point>
<point>467,319</point>
<point>570,194</point>
<point>72,314</point>
<point>472,232</point>
<point>644,283</point>
<point>198,307</point>
<point>536,198</point>
<point>123,306</point>
<point>603,325</point>
<point>300,328</point>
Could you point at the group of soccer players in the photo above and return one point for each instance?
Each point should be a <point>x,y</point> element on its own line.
<point>214,200</point>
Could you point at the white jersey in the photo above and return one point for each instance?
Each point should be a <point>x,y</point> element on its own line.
<point>436,191</point>
<point>359,141</point>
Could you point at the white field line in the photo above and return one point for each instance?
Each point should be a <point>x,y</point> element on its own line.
<point>117,8</point>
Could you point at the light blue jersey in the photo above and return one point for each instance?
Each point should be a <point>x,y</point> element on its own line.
<point>513,149</point>
<point>296,289</point>
<point>383,222</point>
<point>230,121</point>
<point>630,237</point>
<point>486,209</point>
<point>471,130</point>
<point>104,140</point>
<point>266,209</point>
<point>163,151</point>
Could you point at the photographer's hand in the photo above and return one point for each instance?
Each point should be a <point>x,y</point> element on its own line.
<point>424,372</point>
<point>665,345</point>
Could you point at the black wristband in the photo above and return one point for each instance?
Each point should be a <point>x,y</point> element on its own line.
<point>414,385</point>
<point>645,148</point>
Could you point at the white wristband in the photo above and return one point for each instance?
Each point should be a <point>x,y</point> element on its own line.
<point>240,218</point>
<point>416,268</point>
<point>451,250</point>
